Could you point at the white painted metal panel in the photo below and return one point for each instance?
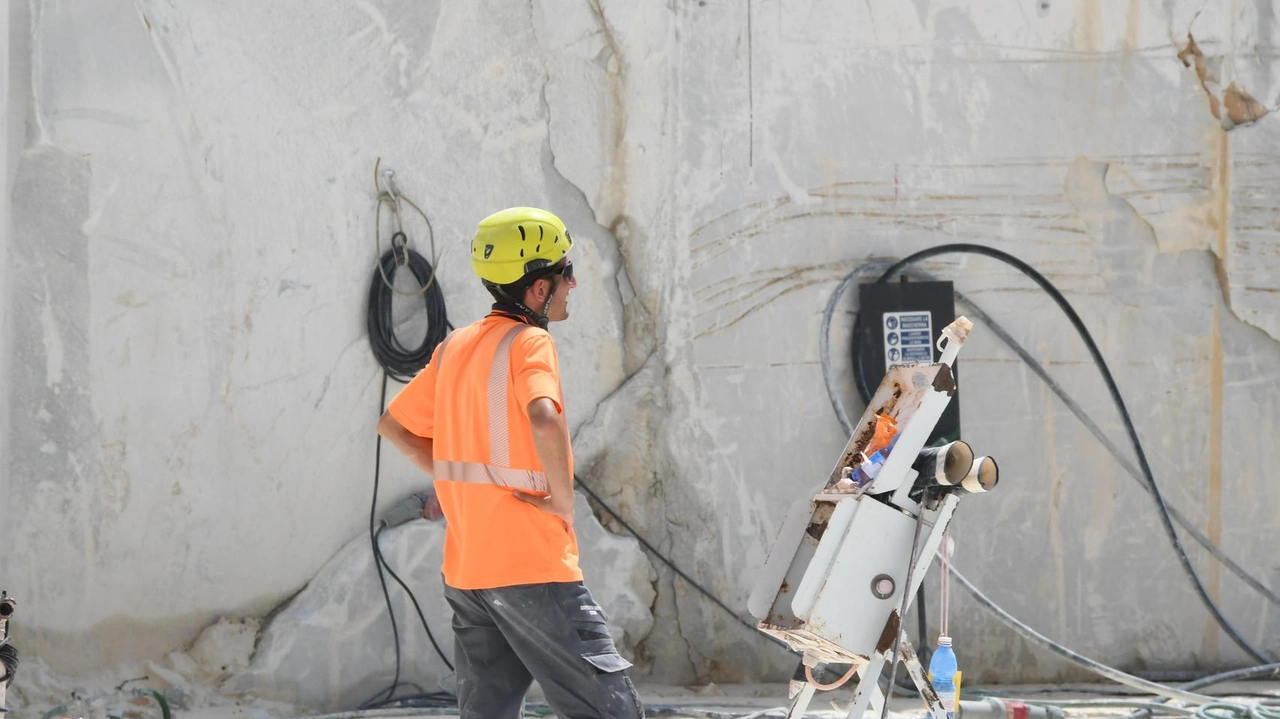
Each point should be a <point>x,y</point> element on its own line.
<point>877,542</point>
<point>768,588</point>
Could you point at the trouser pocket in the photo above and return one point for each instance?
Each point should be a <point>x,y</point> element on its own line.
<point>562,636</point>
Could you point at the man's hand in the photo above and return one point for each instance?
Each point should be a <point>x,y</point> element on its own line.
<point>419,450</point>
<point>551,441</point>
<point>561,509</point>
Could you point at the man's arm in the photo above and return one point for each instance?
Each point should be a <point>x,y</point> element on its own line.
<point>419,450</point>
<point>551,441</point>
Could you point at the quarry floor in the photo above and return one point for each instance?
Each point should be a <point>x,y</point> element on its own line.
<point>757,701</point>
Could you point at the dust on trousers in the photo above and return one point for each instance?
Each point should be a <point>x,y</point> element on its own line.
<point>554,633</point>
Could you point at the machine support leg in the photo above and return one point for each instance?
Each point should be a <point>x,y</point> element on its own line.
<point>868,692</point>
<point>908,655</point>
<point>801,702</point>
<point>869,696</point>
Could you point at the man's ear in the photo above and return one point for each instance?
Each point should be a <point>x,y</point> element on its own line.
<point>540,289</point>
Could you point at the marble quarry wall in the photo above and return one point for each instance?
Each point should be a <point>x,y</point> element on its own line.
<point>189,398</point>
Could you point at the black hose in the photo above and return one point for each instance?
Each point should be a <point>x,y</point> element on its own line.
<point>378,549</point>
<point>373,540</point>
<point>1259,672</point>
<point>988,322</point>
<point>665,560</point>
<point>400,362</point>
<point>1070,654</point>
<point>433,700</point>
<point>1112,389</point>
<point>387,695</point>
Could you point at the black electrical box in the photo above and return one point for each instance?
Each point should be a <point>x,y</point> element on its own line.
<point>900,323</point>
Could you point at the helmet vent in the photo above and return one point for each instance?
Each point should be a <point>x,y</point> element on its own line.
<point>522,237</point>
<point>522,252</point>
<point>538,248</point>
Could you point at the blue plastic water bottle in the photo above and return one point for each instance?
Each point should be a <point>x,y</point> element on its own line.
<point>942,674</point>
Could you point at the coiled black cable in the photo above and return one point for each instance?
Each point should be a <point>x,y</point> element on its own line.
<point>1112,389</point>
<point>400,362</point>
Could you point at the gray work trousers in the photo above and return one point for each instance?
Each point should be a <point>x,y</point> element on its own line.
<point>505,638</point>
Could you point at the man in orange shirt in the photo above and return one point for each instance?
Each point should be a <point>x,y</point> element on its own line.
<point>486,419</point>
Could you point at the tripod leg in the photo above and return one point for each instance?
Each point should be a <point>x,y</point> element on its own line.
<point>916,670</point>
<point>801,701</point>
<point>868,695</point>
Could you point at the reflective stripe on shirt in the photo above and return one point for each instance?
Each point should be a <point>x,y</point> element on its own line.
<point>477,473</point>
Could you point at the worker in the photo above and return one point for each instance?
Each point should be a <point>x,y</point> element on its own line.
<point>486,420</point>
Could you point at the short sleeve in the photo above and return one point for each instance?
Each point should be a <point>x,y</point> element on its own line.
<point>415,406</point>
<point>536,368</point>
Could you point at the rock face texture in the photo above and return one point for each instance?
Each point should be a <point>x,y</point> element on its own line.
<point>187,410</point>
<point>332,645</point>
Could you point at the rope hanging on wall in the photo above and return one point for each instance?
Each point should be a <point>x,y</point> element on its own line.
<point>400,362</point>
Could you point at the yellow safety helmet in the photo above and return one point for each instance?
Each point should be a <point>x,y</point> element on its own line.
<point>516,241</point>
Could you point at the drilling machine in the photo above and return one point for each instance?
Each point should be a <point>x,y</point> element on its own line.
<point>849,559</point>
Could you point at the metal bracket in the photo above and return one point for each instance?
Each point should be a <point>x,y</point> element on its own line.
<point>868,694</point>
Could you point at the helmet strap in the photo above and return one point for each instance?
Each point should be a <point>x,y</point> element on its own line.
<point>535,318</point>
<point>546,308</point>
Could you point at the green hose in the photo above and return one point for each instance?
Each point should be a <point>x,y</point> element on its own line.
<point>164,704</point>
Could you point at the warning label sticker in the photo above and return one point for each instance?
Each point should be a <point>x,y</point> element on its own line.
<point>908,338</point>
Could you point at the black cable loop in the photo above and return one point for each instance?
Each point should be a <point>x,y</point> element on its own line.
<point>987,321</point>
<point>1112,389</point>
<point>400,362</point>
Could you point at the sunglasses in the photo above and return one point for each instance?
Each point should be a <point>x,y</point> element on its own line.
<point>565,270</point>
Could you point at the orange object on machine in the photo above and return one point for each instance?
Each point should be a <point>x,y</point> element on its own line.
<point>886,429</point>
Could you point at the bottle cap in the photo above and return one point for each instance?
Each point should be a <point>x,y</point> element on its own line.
<point>944,640</point>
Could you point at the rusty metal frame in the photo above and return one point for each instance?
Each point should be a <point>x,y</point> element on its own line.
<point>822,590</point>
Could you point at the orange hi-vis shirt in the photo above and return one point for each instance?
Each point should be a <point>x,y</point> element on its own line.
<point>472,401</point>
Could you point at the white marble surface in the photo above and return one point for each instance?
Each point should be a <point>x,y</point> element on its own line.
<point>331,647</point>
<point>189,395</point>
